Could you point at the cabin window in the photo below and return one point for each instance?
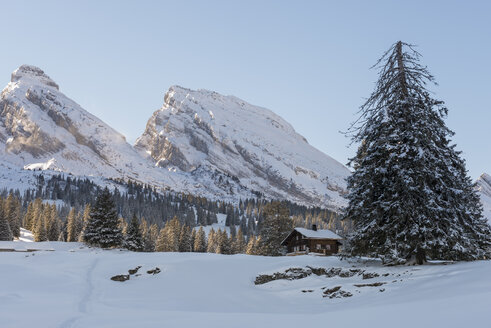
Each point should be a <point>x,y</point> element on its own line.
<point>328,247</point>
<point>319,246</point>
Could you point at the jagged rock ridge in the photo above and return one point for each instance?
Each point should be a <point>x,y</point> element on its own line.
<point>199,142</point>
<point>203,130</point>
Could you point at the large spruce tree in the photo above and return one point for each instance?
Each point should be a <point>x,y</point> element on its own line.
<point>102,228</point>
<point>410,197</point>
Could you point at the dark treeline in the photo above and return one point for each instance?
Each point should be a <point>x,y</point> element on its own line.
<point>59,199</point>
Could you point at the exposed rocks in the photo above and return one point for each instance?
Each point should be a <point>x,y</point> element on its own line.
<point>121,277</point>
<point>300,273</point>
<point>135,270</point>
<point>375,284</point>
<point>336,292</point>
<point>370,275</point>
<point>154,271</point>
<point>33,72</point>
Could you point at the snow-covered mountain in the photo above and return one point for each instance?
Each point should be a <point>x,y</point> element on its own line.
<point>199,142</point>
<point>483,185</point>
<point>203,131</point>
<point>41,129</point>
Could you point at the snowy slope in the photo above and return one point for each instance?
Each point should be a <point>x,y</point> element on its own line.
<point>484,187</point>
<point>200,143</point>
<point>208,132</point>
<point>42,129</point>
<point>70,287</point>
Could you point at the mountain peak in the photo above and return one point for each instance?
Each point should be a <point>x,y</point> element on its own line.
<point>33,73</point>
<point>203,134</point>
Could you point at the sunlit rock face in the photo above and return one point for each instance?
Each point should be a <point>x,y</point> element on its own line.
<point>206,131</point>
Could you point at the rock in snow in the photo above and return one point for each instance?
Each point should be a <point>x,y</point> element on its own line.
<point>199,142</point>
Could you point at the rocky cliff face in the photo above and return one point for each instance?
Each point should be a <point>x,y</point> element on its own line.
<point>199,142</point>
<point>203,131</point>
<point>39,125</point>
<point>483,185</point>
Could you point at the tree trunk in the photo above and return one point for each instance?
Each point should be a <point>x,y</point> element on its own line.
<point>420,256</point>
<point>400,68</point>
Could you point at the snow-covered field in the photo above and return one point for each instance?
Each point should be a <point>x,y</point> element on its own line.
<point>71,287</point>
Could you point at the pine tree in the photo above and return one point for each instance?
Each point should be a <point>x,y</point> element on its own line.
<point>133,239</point>
<point>103,227</point>
<point>5,232</point>
<point>53,224</point>
<point>40,233</point>
<point>153,235</point>
<point>276,225</point>
<point>251,248</point>
<point>29,217</point>
<point>160,245</point>
<point>222,242</point>
<point>148,242</point>
<point>200,241</point>
<point>211,243</point>
<point>172,231</point>
<point>85,222</point>
<point>239,244</point>
<point>185,239</point>
<point>74,225</point>
<point>410,197</point>
<point>12,213</point>
<point>193,238</point>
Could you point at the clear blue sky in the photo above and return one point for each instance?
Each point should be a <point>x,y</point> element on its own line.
<point>308,61</point>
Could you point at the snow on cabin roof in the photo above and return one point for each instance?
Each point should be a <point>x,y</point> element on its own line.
<point>318,234</point>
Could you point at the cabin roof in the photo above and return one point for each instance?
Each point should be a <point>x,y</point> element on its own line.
<point>318,234</point>
<point>314,234</point>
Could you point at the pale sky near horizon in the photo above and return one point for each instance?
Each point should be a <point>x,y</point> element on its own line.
<point>308,61</point>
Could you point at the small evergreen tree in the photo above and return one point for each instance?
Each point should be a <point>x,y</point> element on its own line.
<point>252,246</point>
<point>185,239</point>
<point>40,233</point>
<point>211,243</point>
<point>133,239</point>
<point>172,231</point>
<point>200,241</point>
<point>85,222</point>
<point>29,217</point>
<point>276,225</point>
<point>222,242</point>
<point>103,227</point>
<point>5,232</point>
<point>12,209</point>
<point>153,235</point>
<point>53,223</point>
<point>193,238</point>
<point>239,243</point>
<point>160,245</point>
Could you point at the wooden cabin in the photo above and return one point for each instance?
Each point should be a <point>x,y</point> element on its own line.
<point>302,240</point>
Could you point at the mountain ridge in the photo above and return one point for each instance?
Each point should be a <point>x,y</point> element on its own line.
<point>41,128</point>
<point>201,128</point>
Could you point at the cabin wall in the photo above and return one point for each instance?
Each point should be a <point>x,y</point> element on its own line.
<point>297,243</point>
<point>323,246</point>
